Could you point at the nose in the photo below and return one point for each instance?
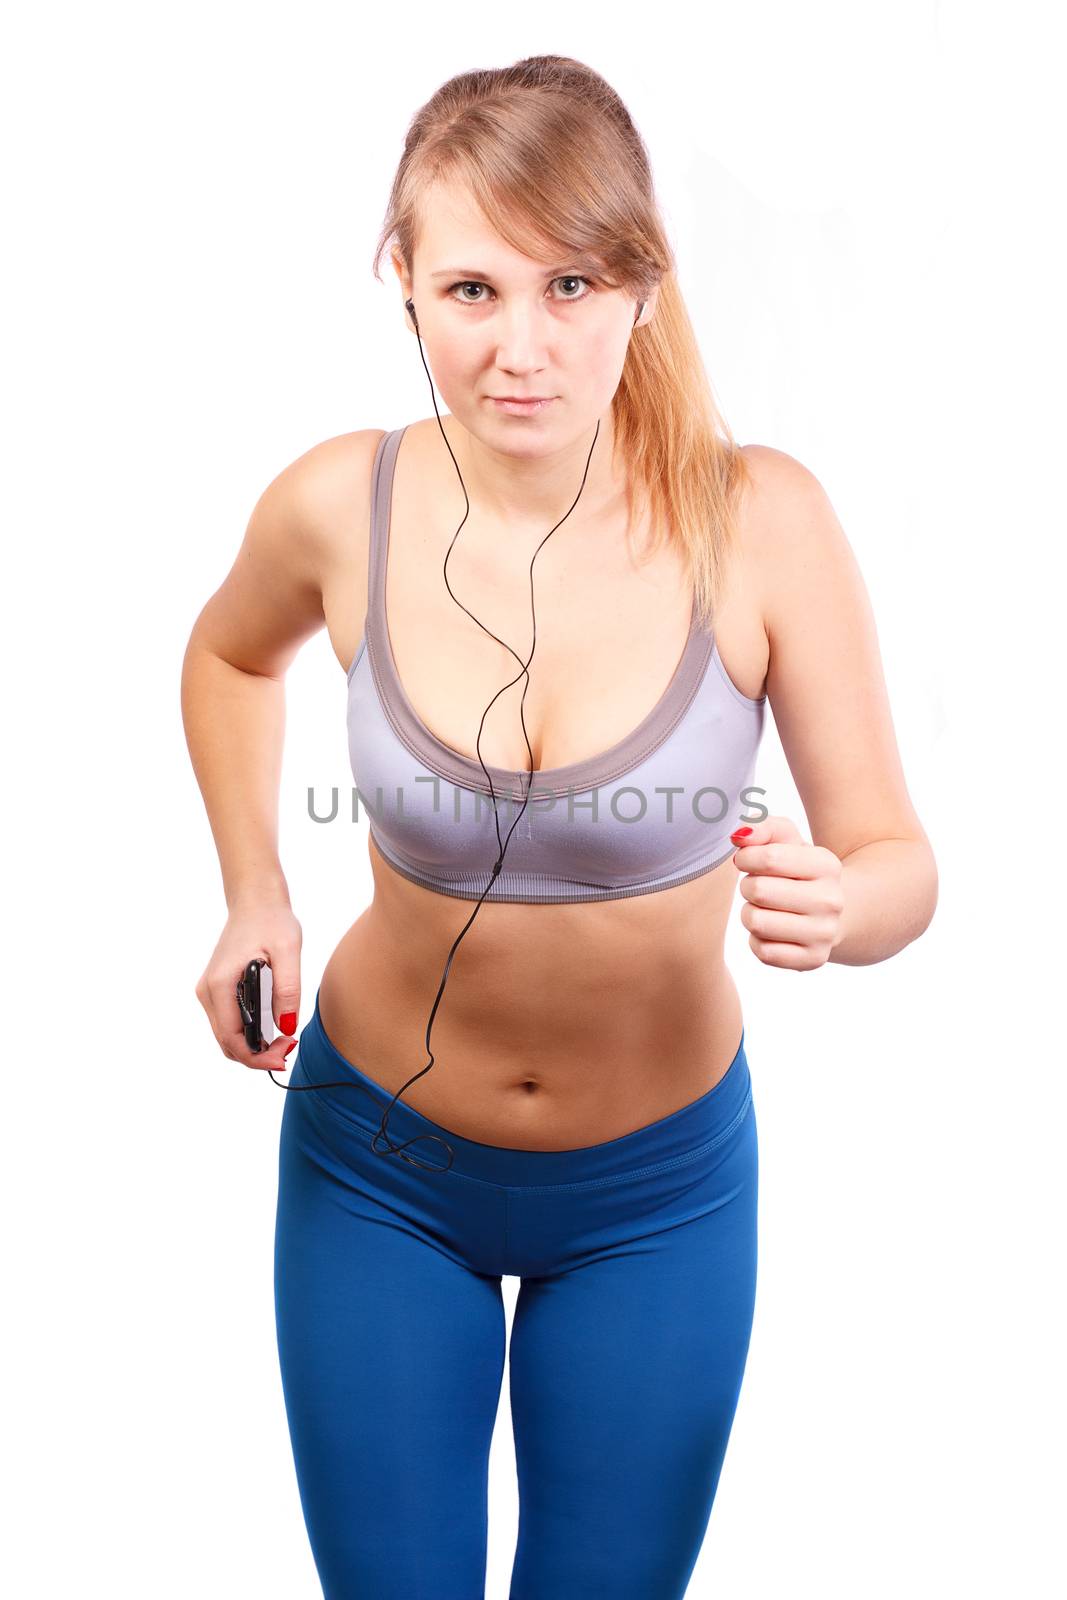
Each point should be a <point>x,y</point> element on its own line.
<point>520,334</point>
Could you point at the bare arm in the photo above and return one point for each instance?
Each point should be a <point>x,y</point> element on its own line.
<point>233,710</point>
<point>827,689</point>
<point>232,686</point>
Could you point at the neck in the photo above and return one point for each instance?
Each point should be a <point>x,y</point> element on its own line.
<point>530,493</point>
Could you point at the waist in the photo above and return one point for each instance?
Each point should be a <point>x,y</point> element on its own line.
<point>689,1129</point>
<point>553,1021</point>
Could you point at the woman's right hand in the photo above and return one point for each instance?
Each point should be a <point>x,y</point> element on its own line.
<point>264,931</point>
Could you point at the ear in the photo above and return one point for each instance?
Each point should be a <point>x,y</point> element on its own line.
<point>649,312</point>
<point>401,271</point>
<point>405,285</point>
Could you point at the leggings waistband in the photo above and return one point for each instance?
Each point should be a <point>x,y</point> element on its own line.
<point>681,1136</point>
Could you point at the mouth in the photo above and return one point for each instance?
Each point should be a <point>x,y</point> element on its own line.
<point>520,408</point>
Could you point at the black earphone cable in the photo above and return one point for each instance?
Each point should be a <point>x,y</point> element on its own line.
<point>395,1149</point>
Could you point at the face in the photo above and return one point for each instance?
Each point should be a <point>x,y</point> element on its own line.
<point>495,322</point>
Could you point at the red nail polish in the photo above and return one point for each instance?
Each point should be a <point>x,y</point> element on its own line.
<point>740,833</point>
<point>289,1047</point>
<point>288,1022</point>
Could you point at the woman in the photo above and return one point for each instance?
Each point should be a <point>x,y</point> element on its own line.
<point>553,742</point>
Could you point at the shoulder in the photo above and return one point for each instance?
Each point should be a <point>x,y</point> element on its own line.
<point>791,530</point>
<point>782,488</point>
<point>329,485</point>
<point>316,511</point>
<point>275,594</point>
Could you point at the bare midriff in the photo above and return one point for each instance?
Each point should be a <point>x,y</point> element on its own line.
<point>559,1025</point>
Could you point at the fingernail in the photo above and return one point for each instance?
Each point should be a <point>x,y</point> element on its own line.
<point>289,1047</point>
<point>740,833</point>
<point>288,1022</point>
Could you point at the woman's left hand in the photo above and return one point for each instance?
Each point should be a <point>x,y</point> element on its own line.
<point>794,892</point>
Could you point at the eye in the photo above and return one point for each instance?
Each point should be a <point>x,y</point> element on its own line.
<point>471,283</point>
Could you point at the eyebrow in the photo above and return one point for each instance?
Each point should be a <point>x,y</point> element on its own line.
<point>477,274</point>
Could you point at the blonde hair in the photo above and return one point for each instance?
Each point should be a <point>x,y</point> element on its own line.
<point>547,150</point>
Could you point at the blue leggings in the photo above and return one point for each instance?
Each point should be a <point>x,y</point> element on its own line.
<point>637,1260</point>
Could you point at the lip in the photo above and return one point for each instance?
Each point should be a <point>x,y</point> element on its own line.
<point>521,408</point>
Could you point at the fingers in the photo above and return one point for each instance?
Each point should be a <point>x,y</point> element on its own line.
<point>788,927</point>
<point>273,1058</point>
<point>793,860</point>
<point>789,957</point>
<point>774,845</point>
<point>809,896</point>
<point>218,996</point>
<point>772,830</point>
<point>793,894</point>
<point>285,1002</point>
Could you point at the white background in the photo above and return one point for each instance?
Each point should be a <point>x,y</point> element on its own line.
<point>865,202</point>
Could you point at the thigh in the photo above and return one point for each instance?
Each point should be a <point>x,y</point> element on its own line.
<point>392,1356</point>
<point>625,1373</point>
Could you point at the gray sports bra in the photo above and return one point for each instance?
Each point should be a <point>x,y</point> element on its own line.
<point>653,811</point>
